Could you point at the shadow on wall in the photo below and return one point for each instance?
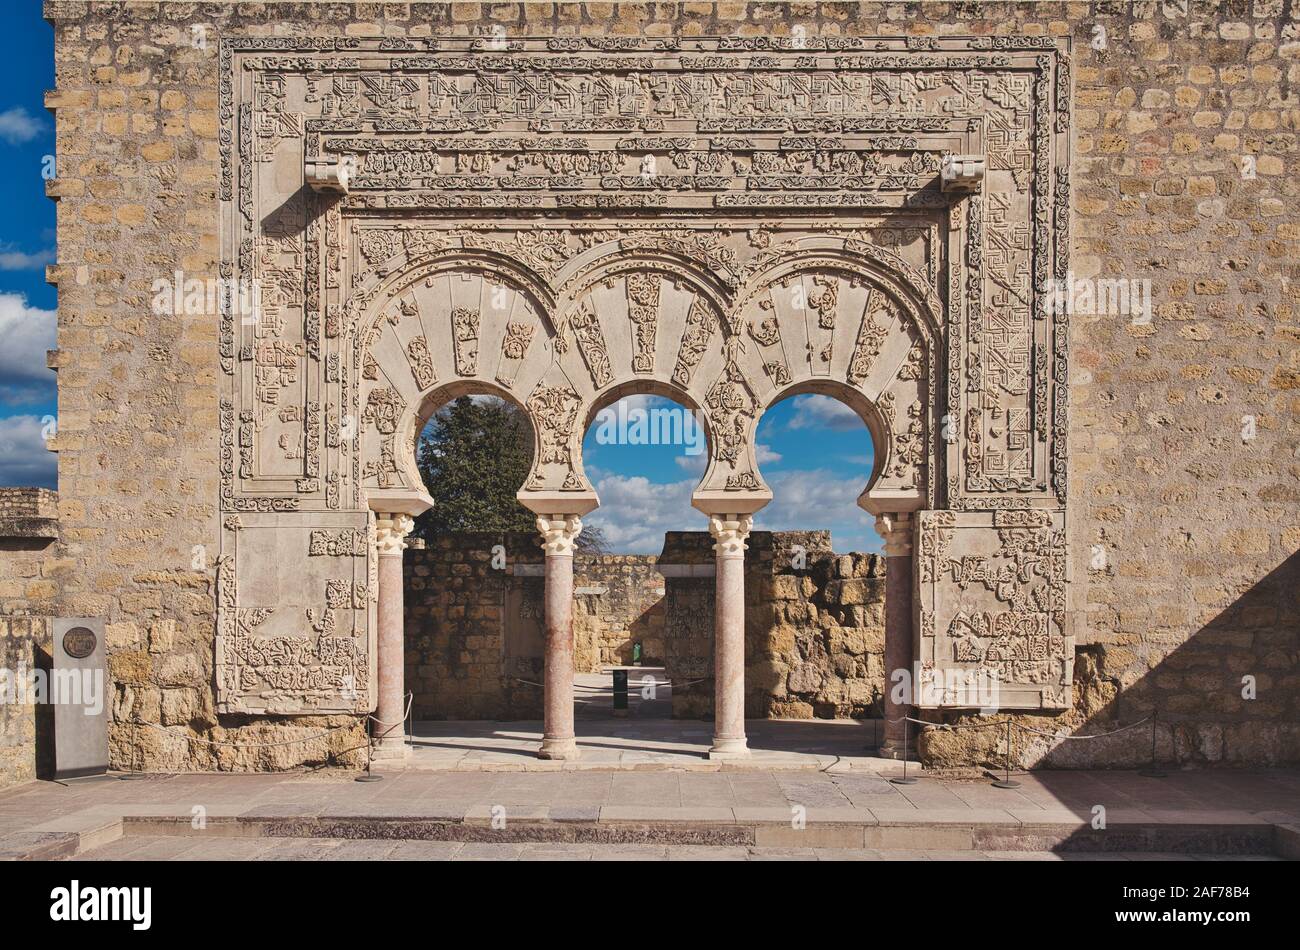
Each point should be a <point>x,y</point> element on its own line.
<point>1228,695</point>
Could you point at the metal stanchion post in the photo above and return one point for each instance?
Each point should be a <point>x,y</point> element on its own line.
<point>135,750</point>
<point>1006,780</point>
<point>370,744</point>
<point>1154,771</point>
<point>905,780</point>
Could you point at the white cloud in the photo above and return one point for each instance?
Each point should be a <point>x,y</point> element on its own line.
<point>25,334</point>
<point>822,411</point>
<point>819,500</point>
<point>695,464</point>
<point>20,260</point>
<point>24,459</point>
<point>635,512</point>
<point>17,125</point>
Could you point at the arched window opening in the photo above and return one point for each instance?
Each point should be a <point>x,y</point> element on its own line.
<point>817,455</point>
<point>644,454</point>
<point>473,455</point>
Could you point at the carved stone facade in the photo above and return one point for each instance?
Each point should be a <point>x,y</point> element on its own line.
<point>492,238</point>
<point>722,203</point>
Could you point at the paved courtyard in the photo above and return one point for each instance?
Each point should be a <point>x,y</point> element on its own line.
<point>653,814</point>
<point>646,743</point>
<point>166,848</point>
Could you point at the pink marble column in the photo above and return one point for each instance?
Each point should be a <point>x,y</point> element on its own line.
<point>390,731</point>
<point>729,532</point>
<point>896,530</point>
<point>559,533</point>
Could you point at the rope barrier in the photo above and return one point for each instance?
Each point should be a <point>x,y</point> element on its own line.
<point>410,699</point>
<point>247,745</point>
<point>603,689</point>
<point>953,727</point>
<point>940,726</point>
<point>370,718</point>
<point>1095,735</point>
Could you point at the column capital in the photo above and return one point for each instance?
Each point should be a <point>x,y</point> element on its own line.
<point>729,532</point>
<point>559,533</point>
<point>391,529</point>
<point>896,530</point>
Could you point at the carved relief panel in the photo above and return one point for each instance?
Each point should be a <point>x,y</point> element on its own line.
<point>296,639</point>
<point>991,614</point>
<point>725,221</point>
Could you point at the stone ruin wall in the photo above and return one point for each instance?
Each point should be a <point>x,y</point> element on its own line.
<point>23,641</point>
<point>30,571</point>
<point>814,628</point>
<point>1201,580</point>
<point>814,634</point>
<point>473,631</point>
<point>29,528</point>
<point>618,600</point>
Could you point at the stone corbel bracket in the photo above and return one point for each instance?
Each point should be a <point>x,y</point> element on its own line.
<point>325,174</point>
<point>962,174</point>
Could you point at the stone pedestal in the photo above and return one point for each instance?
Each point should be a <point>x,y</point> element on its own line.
<point>559,533</point>
<point>389,731</point>
<point>729,532</point>
<point>896,530</point>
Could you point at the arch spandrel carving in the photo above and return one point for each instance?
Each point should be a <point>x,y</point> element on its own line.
<point>917,292</point>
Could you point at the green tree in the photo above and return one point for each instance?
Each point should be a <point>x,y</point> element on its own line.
<point>473,455</point>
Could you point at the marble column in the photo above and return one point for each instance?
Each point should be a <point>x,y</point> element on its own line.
<point>896,530</point>
<point>390,731</point>
<point>559,533</point>
<point>729,532</point>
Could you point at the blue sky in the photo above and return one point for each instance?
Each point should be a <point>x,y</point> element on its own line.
<point>27,303</point>
<point>814,452</point>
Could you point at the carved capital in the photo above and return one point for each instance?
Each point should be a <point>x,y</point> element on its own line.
<point>962,173</point>
<point>559,534</point>
<point>896,530</point>
<point>329,174</point>
<point>729,533</point>
<point>390,533</point>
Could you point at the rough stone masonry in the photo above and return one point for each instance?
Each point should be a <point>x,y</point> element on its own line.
<point>814,635</point>
<point>1156,142</point>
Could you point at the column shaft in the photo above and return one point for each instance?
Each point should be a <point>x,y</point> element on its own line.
<point>729,636</point>
<point>558,739</point>
<point>896,530</point>
<point>389,731</point>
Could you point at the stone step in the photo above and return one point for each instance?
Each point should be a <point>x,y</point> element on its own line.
<point>710,827</point>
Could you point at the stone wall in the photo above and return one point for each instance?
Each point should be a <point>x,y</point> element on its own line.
<point>814,632</point>
<point>617,602</point>
<point>29,526</point>
<point>1184,530</point>
<point>29,577</point>
<point>474,627</point>
<point>22,642</point>
<point>814,627</point>
<point>21,504</point>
